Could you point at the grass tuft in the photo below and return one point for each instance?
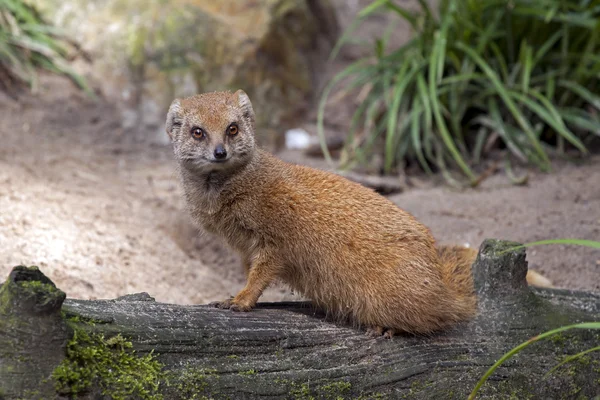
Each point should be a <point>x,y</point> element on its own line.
<point>523,76</point>
<point>29,44</point>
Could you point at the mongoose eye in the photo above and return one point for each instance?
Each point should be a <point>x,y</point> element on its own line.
<point>197,133</point>
<point>232,130</point>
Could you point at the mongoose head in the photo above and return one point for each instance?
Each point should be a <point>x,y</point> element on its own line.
<point>212,131</point>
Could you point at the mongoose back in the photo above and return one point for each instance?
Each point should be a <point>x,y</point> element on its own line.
<point>354,253</point>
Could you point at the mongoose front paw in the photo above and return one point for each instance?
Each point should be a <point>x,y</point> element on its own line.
<point>225,304</point>
<point>230,305</point>
<point>239,307</point>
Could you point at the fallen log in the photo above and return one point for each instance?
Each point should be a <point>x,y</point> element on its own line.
<point>135,347</point>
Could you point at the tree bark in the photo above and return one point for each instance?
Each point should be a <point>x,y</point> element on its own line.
<point>290,350</point>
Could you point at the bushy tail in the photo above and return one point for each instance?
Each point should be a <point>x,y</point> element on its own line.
<point>456,264</point>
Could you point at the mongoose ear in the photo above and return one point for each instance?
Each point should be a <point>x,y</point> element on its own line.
<point>244,103</point>
<point>174,118</point>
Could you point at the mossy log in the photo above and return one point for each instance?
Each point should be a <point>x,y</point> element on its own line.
<point>134,347</point>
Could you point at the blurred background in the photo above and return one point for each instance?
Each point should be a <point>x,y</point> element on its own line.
<point>480,118</point>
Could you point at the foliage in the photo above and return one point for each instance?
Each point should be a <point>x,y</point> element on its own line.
<point>27,44</point>
<point>522,72</point>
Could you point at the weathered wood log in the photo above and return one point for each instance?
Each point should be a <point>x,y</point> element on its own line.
<point>80,349</point>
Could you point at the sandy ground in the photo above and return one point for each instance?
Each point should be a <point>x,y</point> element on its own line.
<point>102,215</point>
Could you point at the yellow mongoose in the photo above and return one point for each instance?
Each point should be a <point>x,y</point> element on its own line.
<point>354,253</point>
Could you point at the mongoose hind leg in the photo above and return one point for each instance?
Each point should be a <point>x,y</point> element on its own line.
<point>379,331</point>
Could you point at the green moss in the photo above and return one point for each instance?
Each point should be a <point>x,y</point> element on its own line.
<point>248,372</point>
<point>336,390</point>
<point>301,392</point>
<point>559,339</point>
<point>31,394</point>
<point>416,387</point>
<point>38,287</point>
<point>192,383</point>
<point>372,396</point>
<point>4,298</point>
<point>513,392</point>
<point>109,363</point>
<point>232,356</point>
<point>82,319</point>
<point>463,357</point>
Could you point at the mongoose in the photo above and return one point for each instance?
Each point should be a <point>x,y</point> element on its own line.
<point>353,252</point>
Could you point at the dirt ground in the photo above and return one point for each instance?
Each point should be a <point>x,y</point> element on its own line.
<point>101,212</point>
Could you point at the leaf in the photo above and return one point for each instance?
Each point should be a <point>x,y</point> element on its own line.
<point>403,13</point>
<point>580,119</point>
<point>353,68</point>
<point>371,8</point>
<point>415,133</point>
<point>578,242</point>
<point>441,125</point>
<point>552,117</point>
<point>502,92</point>
<point>403,79</point>
<point>527,63</point>
<point>500,127</point>
<point>576,88</point>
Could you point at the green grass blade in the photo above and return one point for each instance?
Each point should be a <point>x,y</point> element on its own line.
<point>571,358</point>
<point>371,8</point>
<point>543,50</point>
<point>580,119</point>
<point>501,60</point>
<point>352,69</point>
<point>422,91</point>
<point>551,117</point>
<point>515,180</point>
<point>582,92</point>
<point>403,79</point>
<point>502,92</point>
<point>502,131</point>
<point>403,13</point>
<point>415,133</point>
<point>344,38</point>
<point>517,349</point>
<point>577,242</point>
<point>435,106</point>
<point>482,135</point>
<point>527,62</point>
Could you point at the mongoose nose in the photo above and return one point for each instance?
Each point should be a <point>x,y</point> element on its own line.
<point>220,152</point>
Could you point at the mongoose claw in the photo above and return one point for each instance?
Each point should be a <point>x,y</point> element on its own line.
<point>239,307</point>
<point>229,305</point>
<point>389,333</point>
<point>221,304</point>
<point>378,331</point>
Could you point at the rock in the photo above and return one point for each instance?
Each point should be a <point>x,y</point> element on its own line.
<point>147,53</point>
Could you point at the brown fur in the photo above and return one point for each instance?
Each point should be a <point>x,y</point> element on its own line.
<point>353,252</point>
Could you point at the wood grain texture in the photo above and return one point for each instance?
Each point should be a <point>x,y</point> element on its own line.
<point>290,350</point>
